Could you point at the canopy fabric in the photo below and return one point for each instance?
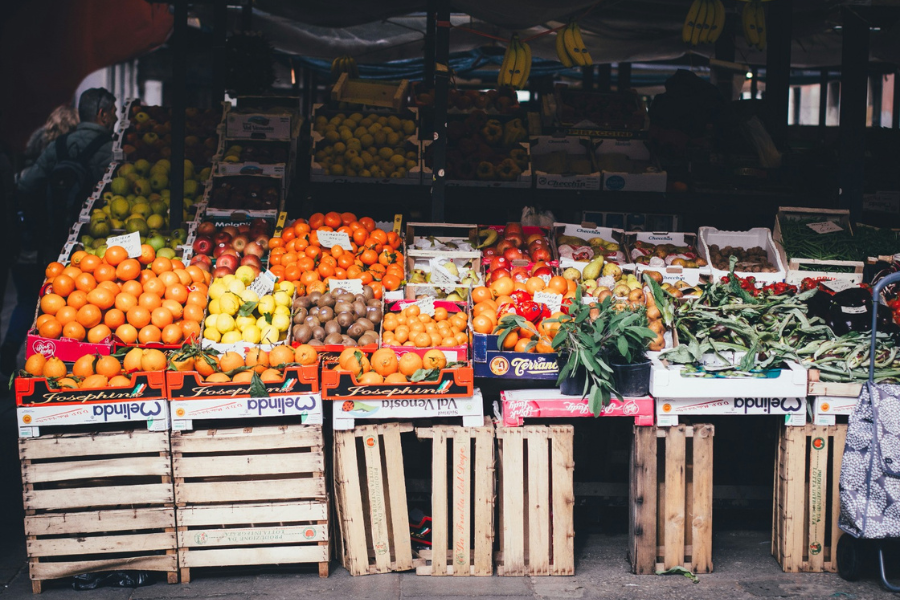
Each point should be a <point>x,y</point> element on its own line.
<point>50,46</point>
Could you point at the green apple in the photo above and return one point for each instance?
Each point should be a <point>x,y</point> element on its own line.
<point>137,224</point>
<point>142,166</point>
<point>119,207</point>
<point>120,185</point>
<point>159,182</point>
<point>166,253</point>
<point>142,187</point>
<point>190,188</point>
<point>99,229</point>
<point>125,169</point>
<point>156,221</point>
<point>157,242</point>
<point>164,162</point>
<point>150,138</point>
<point>188,169</point>
<point>142,209</point>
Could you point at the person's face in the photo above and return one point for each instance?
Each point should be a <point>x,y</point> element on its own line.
<point>107,118</point>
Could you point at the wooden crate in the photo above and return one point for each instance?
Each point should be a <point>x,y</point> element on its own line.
<point>465,483</point>
<point>807,498</point>
<point>537,497</point>
<point>370,499</point>
<point>251,496</point>
<point>370,93</point>
<point>671,507</point>
<point>98,502</point>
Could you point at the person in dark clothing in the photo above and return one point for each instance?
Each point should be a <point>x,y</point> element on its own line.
<point>89,144</point>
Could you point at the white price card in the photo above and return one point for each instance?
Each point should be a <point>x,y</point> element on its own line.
<point>553,301</point>
<point>426,305</point>
<point>264,283</point>
<point>328,239</point>
<point>354,286</point>
<point>825,227</point>
<point>130,241</point>
<point>838,285</point>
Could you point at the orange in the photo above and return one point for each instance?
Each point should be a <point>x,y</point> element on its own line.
<point>349,361</point>
<point>161,264</point>
<point>193,312</point>
<point>54,368</point>
<point>280,355</point>
<point>385,362</point>
<point>72,272</point>
<point>195,272</point>
<point>231,361</point>
<point>243,377</point>
<point>482,324</point>
<point>558,285</point>
<point>306,355</point>
<point>66,314</point>
<point>127,333</point>
<point>54,269</point>
<point>135,288</point>
<point>119,381</point>
<point>503,286</point>
<point>168,278</point>
<point>138,316</point>
<point>115,255</point>
<point>410,363</point>
<point>63,285</point>
<point>149,334</point>
<point>177,292</point>
<point>150,301</point>
<point>543,346</point>
<point>217,378</point>
<point>101,298</point>
<point>396,378</point>
<point>173,307</point>
<point>51,303</point>
<point>190,329</point>
<point>434,359</point>
<point>35,364</point>
<point>370,378</point>
<point>96,335</point>
<point>95,382</point>
<point>161,317</point>
<point>108,366</point>
<point>153,360</point>
<point>77,256</point>
<point>154,285</point>
<point>440,314</point>
<point>50,329</point>
<point>521,345</point>
<point>172,333</point>
<point>105,272</point>
<point>271,375</point>
<point>128,269</point>
<point>74,331</point>
<point>183,276</point>
<point>84,366</point>
<point>77,299</point>
<point>534,285</point>
<point>111,286</point>
<point>145,276</point>
<point>147,254</point>
<point>89,316</point>
<point>509,342</point>
<point>258,359</point>
<point>125,301</point>
<point>113,318</point>
<point>89,263</point>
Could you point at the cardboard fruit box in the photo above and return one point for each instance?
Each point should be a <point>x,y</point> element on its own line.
<point>145,385</point>
<point>758,236</point>
<point>799,268</point>
<point>670,273</point>
<point>586,231</point>
<point>220,203</point>
<point>270,123</point>
<point>488,361</point>
<point>65,349</point>
<point>342,385</point>
<point>563,163</point>
<point>456,353</point>
<point>189,385</point>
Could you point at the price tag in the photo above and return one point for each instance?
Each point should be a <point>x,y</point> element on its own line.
<point>426,305</point>
<point>838,286</point>
<point>354,286</point>
<point>553,301</point>
<point>327,239</point>
<point>130,241</point>
<point>439,277</point>
<point>264,283</point>
<point>546,278</point>
<point>825,227</point>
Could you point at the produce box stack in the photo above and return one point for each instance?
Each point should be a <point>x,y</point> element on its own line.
<point>444,259</point>
<point>818,244</point>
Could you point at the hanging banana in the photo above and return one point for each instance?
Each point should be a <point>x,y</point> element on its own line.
<point>585,55</point>
<point>561,49</point>
<point>526,71</point>
<point>753,19</point>
<point>344,64</point>
<point>704,22</point>
<point>507,67</point>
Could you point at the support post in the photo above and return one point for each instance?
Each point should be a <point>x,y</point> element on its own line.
<point>896,106</point>
<point>308,92</point>
<point>778,66</point>
<point>754,83</point>
<point>428,75</point>
<point>795,105</point>
<point>441,92</point>
<point>587,78</point>
<point>623,81</point>
<point>877,90</point>
<point>823,97</point>
<point>604,78</point>
<point>179,104</point>
<point>854,84</point>
<point>247,15</point>
<point>220,35</point>
<point>725,51</point>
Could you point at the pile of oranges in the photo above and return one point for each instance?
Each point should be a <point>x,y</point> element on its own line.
<point>92,371</point>
<point>268,365</point>
<point>385,366</point>
<point>374,256</point>
<point>148,299</point>
<point>411,327</point>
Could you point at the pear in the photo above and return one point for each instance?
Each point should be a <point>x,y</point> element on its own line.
<point>592,270</point>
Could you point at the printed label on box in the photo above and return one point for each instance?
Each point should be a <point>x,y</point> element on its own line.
<point>108,412</point>
<point>731,406</point>
<point>307,406</point>
<point>409,408</point>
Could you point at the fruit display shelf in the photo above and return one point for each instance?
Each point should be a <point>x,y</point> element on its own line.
<point>673,255</point>
<point>595,114</point>
<point>798,267</point>
<point>257,196</point>
<point>249,122</point>
<point>564,163</point>
<point>756,249</point>
<point>145,133</point>
<point>170,244</point>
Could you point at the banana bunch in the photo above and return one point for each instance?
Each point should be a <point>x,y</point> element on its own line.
<point>704,22</point>
<point>516,64</point>
<point>754,21</point>
<point>344,64</point>
<point>570,47</point>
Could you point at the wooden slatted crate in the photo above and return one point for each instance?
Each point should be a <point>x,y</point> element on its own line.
<point>370,499</point>
<point>98,502</point>
<point>537,498</point>
<point>807,498</point>
<point>671,507</point>
<point>251,496</point>
<point>462,500</point>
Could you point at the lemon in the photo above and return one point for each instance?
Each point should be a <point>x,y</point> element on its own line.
<point>266,304</point>
<point>339,148</point>
<point>243,323</point>
<point>397,160</point>
<point>332,136</point>
<point>236,287</point>
<point>321,120</point>
<point>268,335</point>
<point>261,322</point>
<point>345,133</point>
<point>211,333</point>
<point>394,122</point>
<point>282,298</point>
<point>379,137</point>
<point>282,310</point>
<point>214,307</point>
<point>249,296</point>
<point>393,139</point>
<point>336,170</point>
<point>356,117</point>
<point>286,286</point>
<point>349,124</point>
<point>251,334</point>
<point>216,290</point>
<point>354,144</point>
<point>366,140</point>
<point>365,173</point>
<point>281,322</point>
<point>408,126</point>
<point>359,132</point>
<point>210,321</point>
<point>386,153</point>
<point>411,164</point>
<point>232,337</point>
<point>230,304</point>
<point>224,323</point>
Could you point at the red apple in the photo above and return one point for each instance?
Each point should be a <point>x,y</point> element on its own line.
<point>540,254</point>
<point>252,260</point>
<point>203,244</point>
<point>515,239</point>
<point>244,228</point>
<point>513,228</point>
<point>520,274</point>
<point>223,237</point>
<point>221,272</point>
<point>541,271</point>
<point>263,241</point>
<point>489,252</point>
<point>239,242</point>
<point>254,249</point>
<point>228,261</point>
<point>231,230</point>
<point>512,254</point>
<point>499,273</point>
<point>503,246</point>
<point>203,261</point>
<point>535,237</point>
<point>499,262</point>
<point>538,242</point>
<point>206,228</point>
<point>219,249</point>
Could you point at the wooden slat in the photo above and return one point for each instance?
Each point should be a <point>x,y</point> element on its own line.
<point>795,506</point>
<point>252,536</point>
<point>256,438</point>
<point>513,474</point>
<point>107,544</point>
<point>539,524</point>
<point>562,488</point>
<point>57,570</point>
<point>439,510</point>
<point>65,446</point>
<point>134,466</point>
<point>249,491</point>
<point>818,490</point>
<point>155,493</point>
<point>396,480</point>
<point>247,465</point>
<point>462,504</point>
<point>675,497</point>
<point>838,442</point>
<point>100,521</point>
<point>643,501</point>
<point>484,502</point>
<point>701,518</point>
<point>270,555</point>
<point>378,509</point>
<point>241,514</point>
<point>349,495</point>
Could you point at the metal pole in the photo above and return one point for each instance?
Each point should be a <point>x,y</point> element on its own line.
<point>428,75</point>
<point>896,106</point>
<point>179,104</point>
<point>247,16</point>
<point>441,92</point>
<point>798,94</point>
<point>754,83</point>
<point>725,51</point>
<point>587,78</point>
<point>778,66</point>
<point>604,78</point>
<point>854,84</point>
<point>220,34</point>
<point>308,92</point>
<point>877,90</point>
<point>823,97</point>
<point>623,81</point>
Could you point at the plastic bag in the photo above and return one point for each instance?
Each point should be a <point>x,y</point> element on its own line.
<point>124,579</point>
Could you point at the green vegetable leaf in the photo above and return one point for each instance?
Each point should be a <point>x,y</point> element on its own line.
<point>680,571</point>
<point>247,308</point>
<point>425,375</point>
<point>257,387</point>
